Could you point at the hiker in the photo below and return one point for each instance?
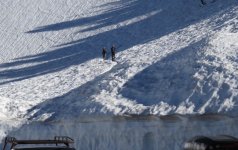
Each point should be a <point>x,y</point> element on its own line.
<point>113,52</point>
<point>104,53</point>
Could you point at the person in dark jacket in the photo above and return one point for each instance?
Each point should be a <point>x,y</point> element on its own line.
<point>104,53</point>
<point>113,52</point>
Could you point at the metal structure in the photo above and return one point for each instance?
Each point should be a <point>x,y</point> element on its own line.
<point>58,140</point>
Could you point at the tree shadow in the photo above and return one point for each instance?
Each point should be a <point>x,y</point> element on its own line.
<point>149,21</point>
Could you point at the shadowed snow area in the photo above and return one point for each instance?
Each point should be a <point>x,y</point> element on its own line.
<point>192,79</point>
<point>139,133</point>
<point>172,56</point>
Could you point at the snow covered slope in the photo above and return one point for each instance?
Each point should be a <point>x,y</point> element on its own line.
<point>172,57</point>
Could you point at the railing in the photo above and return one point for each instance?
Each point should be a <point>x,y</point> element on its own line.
<point>57,140</point>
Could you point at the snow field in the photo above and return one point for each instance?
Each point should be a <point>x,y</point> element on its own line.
<point>171,58</point>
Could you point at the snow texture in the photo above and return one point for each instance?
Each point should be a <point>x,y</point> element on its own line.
<point>172,57</point>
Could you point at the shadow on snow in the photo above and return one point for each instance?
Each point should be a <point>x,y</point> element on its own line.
<point>170,80</point>
<point>182,78</point>
<point>162,18</point>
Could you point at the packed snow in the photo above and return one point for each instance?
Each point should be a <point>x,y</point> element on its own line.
<point>172,57</point>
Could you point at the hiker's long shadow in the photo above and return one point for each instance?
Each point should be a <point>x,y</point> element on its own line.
<point>149,21</point>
